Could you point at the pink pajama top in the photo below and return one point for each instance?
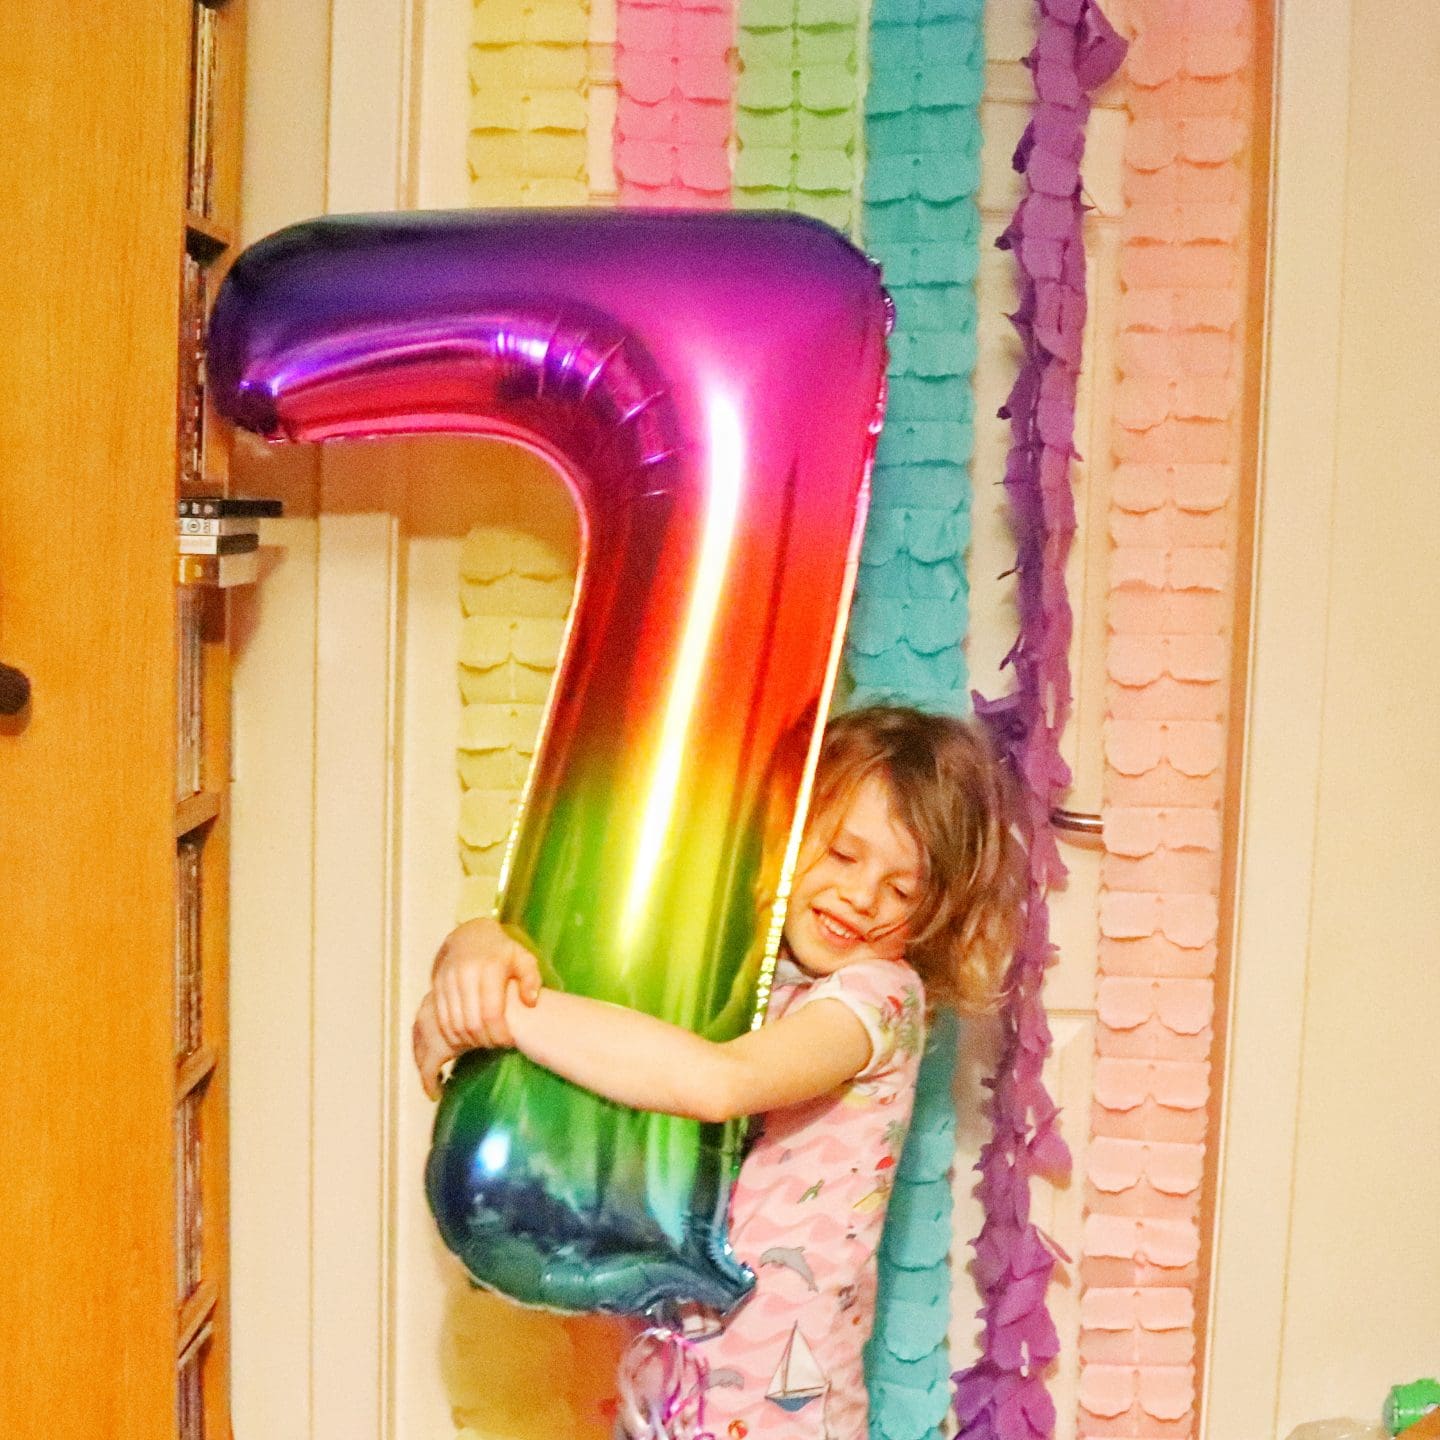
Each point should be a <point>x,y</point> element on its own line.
<point>806,1217</point>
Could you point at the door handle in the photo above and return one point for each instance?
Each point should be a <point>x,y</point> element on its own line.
<point>14,690</point>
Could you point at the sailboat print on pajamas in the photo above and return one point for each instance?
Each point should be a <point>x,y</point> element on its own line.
<point>798,1378</point>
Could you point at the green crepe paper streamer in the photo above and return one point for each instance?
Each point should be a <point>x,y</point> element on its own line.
<point>797,108</point>
<point>798,130</point>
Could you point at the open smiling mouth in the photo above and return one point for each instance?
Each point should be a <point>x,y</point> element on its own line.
<point>841,933</point>
<point>837,930</point>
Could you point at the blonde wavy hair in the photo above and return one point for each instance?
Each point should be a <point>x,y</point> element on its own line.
<point>949,790</point>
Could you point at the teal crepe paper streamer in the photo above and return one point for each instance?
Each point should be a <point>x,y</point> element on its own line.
<point>920,219</point>
<point>907,1360</point>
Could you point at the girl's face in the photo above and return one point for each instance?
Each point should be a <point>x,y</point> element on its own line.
<point>856,888</point>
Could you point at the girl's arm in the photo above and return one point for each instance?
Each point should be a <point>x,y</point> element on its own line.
<point>647,1064</point>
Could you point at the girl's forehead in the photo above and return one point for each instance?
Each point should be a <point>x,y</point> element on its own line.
<point>869,815</point>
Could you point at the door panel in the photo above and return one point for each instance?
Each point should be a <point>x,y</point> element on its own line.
<point>89,298</point>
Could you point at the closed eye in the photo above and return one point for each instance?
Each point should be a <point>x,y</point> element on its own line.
<point>842,856</point>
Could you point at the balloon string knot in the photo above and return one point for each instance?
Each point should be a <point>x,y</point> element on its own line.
<point>661,1380</point>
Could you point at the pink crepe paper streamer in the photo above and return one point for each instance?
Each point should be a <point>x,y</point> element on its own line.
<point>1003,1394</point>
<point>674,110</point>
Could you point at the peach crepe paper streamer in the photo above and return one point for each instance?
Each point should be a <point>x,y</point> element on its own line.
<point>674,102</point>
<point>1173,523</point>
<point>528,102</point>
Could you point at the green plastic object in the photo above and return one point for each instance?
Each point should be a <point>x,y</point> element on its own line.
<point>1405,1405</point>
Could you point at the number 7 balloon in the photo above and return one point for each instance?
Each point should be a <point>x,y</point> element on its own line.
<point>710,388</point>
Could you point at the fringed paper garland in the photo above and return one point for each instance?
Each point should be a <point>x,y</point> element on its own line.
<point>673,116</point>
<point>516,579</point>
<point>922,222</point>
<point>905,639</point>
<point>907,1360</point>
<point>797,115</point>
<point>515,593</point>
<point>1003,1395</point>
<point>1173,526</point>
<point>528,108</point>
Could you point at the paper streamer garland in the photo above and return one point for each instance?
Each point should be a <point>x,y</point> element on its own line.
<point>922,222</point>
<point>528,102</point>
<point>797,112</point>
<point>516,590</point>
<point>517,576</point>
<point>1003,1395</point>
<point>1173,521</point>
<point>907,1361</point>
<point>674,94</point>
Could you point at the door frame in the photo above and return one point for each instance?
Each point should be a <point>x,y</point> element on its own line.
<point>1259,1083</point>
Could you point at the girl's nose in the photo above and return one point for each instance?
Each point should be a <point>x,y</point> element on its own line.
<point>860,893</point>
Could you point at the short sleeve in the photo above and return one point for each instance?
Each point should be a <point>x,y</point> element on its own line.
<point>887,998</point>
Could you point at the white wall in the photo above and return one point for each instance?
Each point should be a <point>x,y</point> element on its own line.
<point>345,865</point>
<point>272,1005</point>
<point>1328,1273</point>
<point>1327,1280</point>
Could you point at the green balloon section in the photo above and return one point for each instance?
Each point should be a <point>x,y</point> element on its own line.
<point>620,1227</point>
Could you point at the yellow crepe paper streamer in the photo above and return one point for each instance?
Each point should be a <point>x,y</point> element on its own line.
<point>528,103</point>
<point>511,1373</point>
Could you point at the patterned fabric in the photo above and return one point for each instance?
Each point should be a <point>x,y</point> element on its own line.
<point>807,1216</point>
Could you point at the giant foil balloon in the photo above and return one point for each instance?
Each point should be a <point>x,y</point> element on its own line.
<point>710,387</point>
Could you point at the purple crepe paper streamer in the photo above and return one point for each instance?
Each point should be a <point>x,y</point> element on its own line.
<point>1003,1396</point>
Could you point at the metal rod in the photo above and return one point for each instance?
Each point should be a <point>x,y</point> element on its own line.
<point>1077,821</point>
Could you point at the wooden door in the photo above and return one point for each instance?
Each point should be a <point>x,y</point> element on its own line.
<point>91,102</point>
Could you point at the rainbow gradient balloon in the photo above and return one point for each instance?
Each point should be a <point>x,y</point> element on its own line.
<point>710,388</point>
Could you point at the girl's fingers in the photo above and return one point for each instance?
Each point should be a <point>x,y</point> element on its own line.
<point>430,1066</point>
<point>450,1021</point>
<point>430,1075</point>
<point>491,987</point>
<point>427,1046</point>
<point>527,972</point>
<point>466,1005</point>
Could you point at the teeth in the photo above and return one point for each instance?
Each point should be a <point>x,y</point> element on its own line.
<point>835,928</point>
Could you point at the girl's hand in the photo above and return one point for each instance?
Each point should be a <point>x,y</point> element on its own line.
<point>470,978</point>
<point>430,1046</point>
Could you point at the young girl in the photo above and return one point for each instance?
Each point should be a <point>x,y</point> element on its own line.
<point>906,890</point>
